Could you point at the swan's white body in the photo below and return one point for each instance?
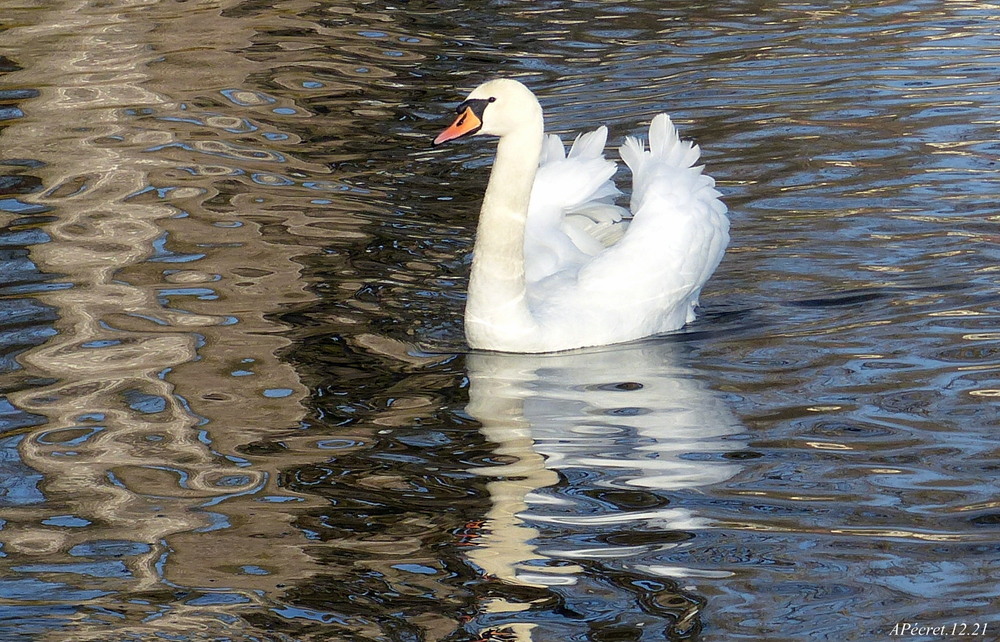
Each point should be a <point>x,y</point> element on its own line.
<point>556,265</point>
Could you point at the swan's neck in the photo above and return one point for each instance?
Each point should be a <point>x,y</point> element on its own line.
<point>497,311</point>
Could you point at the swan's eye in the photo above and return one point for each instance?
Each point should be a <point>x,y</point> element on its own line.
<point>477,105</point>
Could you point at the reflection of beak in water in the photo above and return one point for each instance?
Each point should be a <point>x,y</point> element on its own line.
<point>619,420</point>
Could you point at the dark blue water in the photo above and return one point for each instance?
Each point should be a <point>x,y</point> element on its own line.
<point>236,403</point>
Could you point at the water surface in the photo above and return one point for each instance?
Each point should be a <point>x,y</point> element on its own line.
<point>236,399</point>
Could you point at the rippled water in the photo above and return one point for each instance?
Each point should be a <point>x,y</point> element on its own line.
<point>236,403</point>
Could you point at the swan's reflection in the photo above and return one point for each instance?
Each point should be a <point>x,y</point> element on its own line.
<point>591,443</point>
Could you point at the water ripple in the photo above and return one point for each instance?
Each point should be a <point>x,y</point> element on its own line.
<point>215,419</point>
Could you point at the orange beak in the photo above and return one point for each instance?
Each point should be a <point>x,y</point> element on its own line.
<point>466,123</point>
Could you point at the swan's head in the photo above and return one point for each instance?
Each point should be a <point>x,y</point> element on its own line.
<point>496,108</point>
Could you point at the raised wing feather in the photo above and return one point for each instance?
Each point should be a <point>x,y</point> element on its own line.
<point>650,280</point>
<point>571,217</point>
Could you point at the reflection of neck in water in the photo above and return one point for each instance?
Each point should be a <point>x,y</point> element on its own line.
<point>627,416</point>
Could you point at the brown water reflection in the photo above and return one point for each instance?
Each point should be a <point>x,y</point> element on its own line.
<point>165,364</point>
<point>237,404</point>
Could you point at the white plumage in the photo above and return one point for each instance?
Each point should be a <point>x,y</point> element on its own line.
<point>557,265</point>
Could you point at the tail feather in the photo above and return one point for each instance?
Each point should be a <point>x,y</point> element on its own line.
<point>667,160</point>
<point>691,156</point>
<point>662,135</point>
<point>665,145</point>
<point>633,152</point>
<point>552,149</point>
<point>590,145</point>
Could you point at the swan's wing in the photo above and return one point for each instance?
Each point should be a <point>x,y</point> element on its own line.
<point>667,169</point>
<point>571,216</point>
<point>678,234</point>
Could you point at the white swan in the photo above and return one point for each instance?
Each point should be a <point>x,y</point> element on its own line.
<point>556,264</point>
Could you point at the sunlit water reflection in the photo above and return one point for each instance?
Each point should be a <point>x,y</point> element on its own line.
<point>598,440</point>
<point>235,396</point>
